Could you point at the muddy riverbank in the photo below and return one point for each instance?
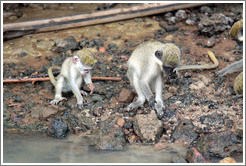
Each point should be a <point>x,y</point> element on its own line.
<point>199,105</point>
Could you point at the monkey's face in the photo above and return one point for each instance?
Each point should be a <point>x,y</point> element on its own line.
<point>169,72</point>
<point>84,69</point>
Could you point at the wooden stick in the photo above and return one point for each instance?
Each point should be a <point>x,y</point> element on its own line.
<point>47,79</point>
<point>66,22</point>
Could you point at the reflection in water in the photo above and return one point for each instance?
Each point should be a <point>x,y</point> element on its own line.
<point>43,149</point>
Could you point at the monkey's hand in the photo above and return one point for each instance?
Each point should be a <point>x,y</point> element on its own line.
<point>160,108</point>
<point>221,73</point>
<point>56,101</point>
<point>91,87</point>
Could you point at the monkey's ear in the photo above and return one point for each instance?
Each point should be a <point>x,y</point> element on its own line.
<point>76,59</point>
<point>159,54</point>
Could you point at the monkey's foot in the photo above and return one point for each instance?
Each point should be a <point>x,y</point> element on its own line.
<point>80,106</point>
<point>135,105</point>
<point>56,101</point>
<point>83,93</point>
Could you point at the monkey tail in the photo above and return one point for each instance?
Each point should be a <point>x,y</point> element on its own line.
<point>51,76</point>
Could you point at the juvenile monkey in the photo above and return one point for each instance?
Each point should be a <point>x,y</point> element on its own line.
<point>149,62</point>
<point>73,71</point>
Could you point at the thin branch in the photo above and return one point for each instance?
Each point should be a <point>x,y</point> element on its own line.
<point>47,79</point>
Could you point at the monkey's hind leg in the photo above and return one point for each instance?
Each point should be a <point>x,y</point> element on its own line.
<point>141,98</point>
<point>59,86</point>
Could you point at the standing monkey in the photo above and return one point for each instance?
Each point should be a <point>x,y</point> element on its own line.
<point>147,65</point>
<point>73,71</point>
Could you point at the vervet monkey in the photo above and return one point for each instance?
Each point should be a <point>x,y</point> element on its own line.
<point>236,32</point>
<point>73,71</point>
<point>149,62</point>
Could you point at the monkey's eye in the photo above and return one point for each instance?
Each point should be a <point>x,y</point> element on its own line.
<point>87,70</point>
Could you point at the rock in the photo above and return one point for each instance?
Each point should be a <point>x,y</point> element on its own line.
<point>102,49</point>
<point>128,124</point>
<point>228,160</point>
<point>190,22</point>
<point>168,15</point>
<point>213,119</point>
<point>160,146</point>
<point>184,131</point>
<point>163,24</point>
<point>22,54</point>
<point>126,96</point>
<point>96,98</point>
<point>97,109</point>
<point>148,127</point>
<point>110,136</point>
<point>205,9</point>
<point>171,28</point>
<point>49,111</point>
<point>218,144</point>
<point>210,42</point>
<point>120,122</point>
<point>66,44</point>
<point>169,37</point>
<point>113,141</point>
<point>132,139</point>
<point>171,20</point>
<point>178,159</point>
<point>58,128</point>
<point>180,15</point>
<point>44,44</point>
<point>213,25</point>
<point>194,156</point>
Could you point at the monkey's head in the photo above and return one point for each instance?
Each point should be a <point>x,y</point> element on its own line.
<point>87,60</point>
<point>80,67</point>
<point>168,57</point>
<point>236,30</point>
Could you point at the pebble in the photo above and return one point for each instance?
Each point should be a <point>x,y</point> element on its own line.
<point>171,20</point>
<point>181,15</point>
<point>205,9</point>
<point>120,122</point>
<point>171,28</point>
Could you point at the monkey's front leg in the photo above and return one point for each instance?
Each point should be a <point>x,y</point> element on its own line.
<point>77,93</point>
<point>88,82</point>
<point>59,86</point>
<point>159,106</point>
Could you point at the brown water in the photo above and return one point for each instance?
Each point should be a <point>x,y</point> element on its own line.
<point>42,149</point>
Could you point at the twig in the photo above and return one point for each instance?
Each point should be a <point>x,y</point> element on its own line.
<point>47,79</point>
